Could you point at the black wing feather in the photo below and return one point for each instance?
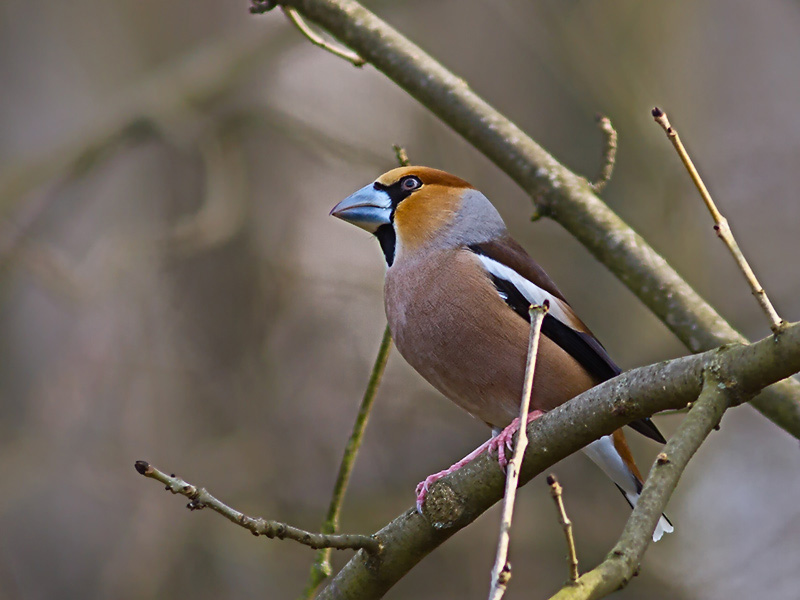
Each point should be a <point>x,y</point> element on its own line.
<point>579,345</point>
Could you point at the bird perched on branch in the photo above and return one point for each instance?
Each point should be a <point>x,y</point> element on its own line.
<point>457,294</point>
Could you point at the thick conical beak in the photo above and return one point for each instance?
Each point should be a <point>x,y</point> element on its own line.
<point>368,208</point>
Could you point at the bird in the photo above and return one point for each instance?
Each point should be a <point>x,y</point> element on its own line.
<point>457,293</point>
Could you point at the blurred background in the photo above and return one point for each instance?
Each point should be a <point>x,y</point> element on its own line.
<point>172,288</point>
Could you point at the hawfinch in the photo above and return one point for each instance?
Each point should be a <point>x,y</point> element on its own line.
<point>457,294</point>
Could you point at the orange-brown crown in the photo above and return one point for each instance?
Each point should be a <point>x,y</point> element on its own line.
<point>426,211</point>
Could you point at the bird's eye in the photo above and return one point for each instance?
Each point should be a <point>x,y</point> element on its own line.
<point>411,183</point>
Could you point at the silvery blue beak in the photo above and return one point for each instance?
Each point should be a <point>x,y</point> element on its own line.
<point>368,208</point>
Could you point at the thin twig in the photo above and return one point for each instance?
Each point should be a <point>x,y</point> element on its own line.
<point>200,498</point>
<point>317,40</point>
<point>321,569</point>
<point>720,223</point>
<point>609,154</point>
<point>501,571</point>
<point>572,554</point>
<point>715,398</point>
<point>402,156</point>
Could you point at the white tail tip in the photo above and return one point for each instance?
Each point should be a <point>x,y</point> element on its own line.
<point>663,526</point>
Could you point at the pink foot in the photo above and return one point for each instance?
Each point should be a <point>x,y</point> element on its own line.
<point>505,439</point>
<point>424,486</point>
<point>498,443</point>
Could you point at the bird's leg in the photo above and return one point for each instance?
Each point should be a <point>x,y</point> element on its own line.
<point>497,443</point>
<point>505,439</point>
<point>424,486</point>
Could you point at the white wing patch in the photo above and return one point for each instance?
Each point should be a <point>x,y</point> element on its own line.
<point>532,292</point>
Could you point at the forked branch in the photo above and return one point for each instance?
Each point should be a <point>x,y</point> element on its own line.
<point>318,40</point>
<point>636,394</point>
<point>623,561</point>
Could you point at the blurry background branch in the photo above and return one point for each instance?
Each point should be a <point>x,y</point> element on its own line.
<point>171,103</point>
<point>51,173</point>
<point>556,191</point>
<point>223,209</point>
<point>462,496</point>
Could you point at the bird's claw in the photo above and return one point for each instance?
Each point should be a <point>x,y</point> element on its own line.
<point>502,441</point>
<point>505,439</point>
<point>498,444</point>
<point>423,487</point>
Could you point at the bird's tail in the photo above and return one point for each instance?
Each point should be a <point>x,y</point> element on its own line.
<point>663,526</point>
<point>611,453</point>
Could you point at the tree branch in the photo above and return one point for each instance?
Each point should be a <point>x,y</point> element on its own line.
<point>623,561</point>
<point>636,394</point>
<point>199,498</point>
<point>556,191</point>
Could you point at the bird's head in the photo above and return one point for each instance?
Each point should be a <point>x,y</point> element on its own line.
<point>411,208</point>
